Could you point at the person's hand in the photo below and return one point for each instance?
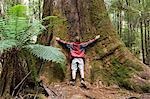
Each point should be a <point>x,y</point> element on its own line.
<point>57,38</point>
<point>97,37</point>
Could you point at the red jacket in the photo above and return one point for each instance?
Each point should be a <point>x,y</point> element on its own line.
<point>77,49</point>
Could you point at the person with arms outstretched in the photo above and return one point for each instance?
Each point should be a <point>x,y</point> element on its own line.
<point>77,52</point>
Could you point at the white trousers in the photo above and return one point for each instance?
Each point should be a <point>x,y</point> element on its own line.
<point>75,64</point>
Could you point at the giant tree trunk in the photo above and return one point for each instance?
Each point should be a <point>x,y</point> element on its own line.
<point>47,70</point>
<point>109,61</point>
<point>45,38</point>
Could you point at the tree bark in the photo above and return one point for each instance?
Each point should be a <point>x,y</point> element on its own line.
<point>88,19</point>
<point>45,38</point>
<point>12,72</point>
<point>146,41</point>
<point>149,42</point>
<point>142,41</point>
<point>47,70</point>
<point>1,8</point>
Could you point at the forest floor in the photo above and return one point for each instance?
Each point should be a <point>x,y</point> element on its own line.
<point>66,91</point>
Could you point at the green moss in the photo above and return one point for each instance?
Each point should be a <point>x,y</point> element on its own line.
<point>59,25</point>
<point>94,72</point>
<point>116,73</point>
<point>120,74</point>
<point>58,72</point>
<point>33,69</point>
<point>143,88</point>
<point>120,71</point>
<point>146,88</point>
<point>98,13</point>
<point>106,76</point>
<point>126,83</point>
<point>100,51</point>
<point>134,66</point>
<point>53,72</point>
<point>100,73</point>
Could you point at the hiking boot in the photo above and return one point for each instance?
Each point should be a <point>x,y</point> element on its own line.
<point>72,83</point>
<point>83,83</point>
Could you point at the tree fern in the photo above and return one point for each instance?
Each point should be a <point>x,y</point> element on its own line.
<point>33,29</point>
<point>48,53</point>
<point>7,44</point>
<point>18,10</point>
<point>17,31</point>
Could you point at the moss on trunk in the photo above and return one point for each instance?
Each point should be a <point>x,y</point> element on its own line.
<point>109,61</point>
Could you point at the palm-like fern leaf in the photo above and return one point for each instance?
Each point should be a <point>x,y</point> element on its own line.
<point>7,44</point>
<point>47,53</point>
<point>32,30</point>
<point>18,10</point>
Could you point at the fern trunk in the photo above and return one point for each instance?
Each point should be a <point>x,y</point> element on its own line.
<point>88,19</point>
<point>12,73</point>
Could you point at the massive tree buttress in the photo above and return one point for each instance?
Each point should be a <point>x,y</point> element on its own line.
<point>109,61</point>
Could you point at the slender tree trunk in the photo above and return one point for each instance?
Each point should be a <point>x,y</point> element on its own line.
<point>1,8</point>
<point>132,37</point>
<point>142,41</point>
<point>146,42</point>
<point>128,24</point>
<point>148,39</point>
<point>121,19</point>
<point>119,14</point>
<point>118,22</point>
<point>115,18</point>
<point>39,6</point>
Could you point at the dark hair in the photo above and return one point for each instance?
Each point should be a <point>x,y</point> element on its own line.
<point>77,39</point>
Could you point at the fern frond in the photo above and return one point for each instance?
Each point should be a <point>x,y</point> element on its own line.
<point>7,44</point>
<point>20,29</point>
<point>54,21</point>
<point>34,29</point>
<point>47,53</point>
<point>18,10</point>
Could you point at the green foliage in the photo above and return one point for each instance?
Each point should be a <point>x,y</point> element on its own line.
<point>18,10</point>
<point>17,31</point>
<point>48,53</point>
<point>95,72</point>
<point>120,73</point>
<point>117,73</point>
<point>7,44</point>
<point>134,67</point>
<point>146,88</point>
<point>54,21</point>
<point>140,87</point>
<point>126,16</point>
<point>132,41</point>
<point>11,27</point>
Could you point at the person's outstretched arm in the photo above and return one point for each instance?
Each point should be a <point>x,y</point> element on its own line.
<point>85,44</point>
<point>62,42</point>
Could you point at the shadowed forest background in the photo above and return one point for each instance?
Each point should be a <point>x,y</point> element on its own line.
<point>31,60</point>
